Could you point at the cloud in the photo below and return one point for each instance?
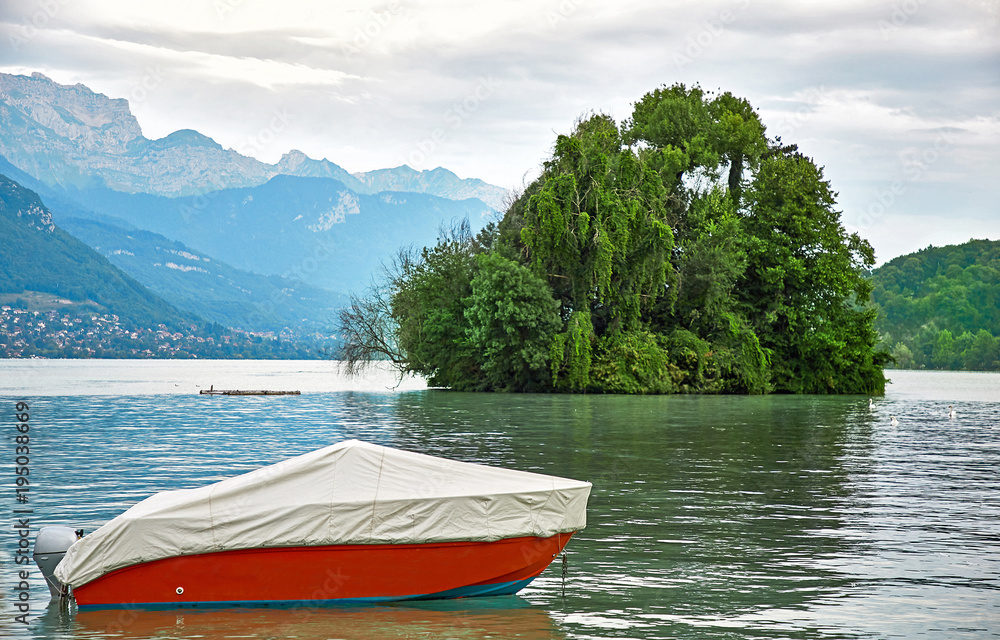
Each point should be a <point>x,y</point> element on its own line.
<point>861,86</point>
<point>270,74</point>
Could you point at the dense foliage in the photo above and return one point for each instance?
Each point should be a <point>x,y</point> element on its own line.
<point>679,251</point>
<point>940,307</point>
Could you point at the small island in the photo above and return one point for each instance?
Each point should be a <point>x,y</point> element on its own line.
<point>680,251</point>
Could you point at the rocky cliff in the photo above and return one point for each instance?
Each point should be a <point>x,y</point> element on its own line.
<point>75,138</point>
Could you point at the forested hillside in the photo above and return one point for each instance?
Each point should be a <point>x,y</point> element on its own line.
<point>210,288</point>
<point>36,255</point>
<point>940,307</point>
<point>61,299</point>
<point>681,250</point>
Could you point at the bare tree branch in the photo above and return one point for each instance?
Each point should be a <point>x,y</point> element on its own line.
<point>367,328</point>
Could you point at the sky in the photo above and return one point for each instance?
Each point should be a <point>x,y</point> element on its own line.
<point>898,100</point>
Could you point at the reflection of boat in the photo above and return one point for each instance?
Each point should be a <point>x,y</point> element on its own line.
<point>504,617</point>
<point>347,523</point>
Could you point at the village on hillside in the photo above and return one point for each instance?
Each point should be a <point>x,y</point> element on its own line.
<point>60,333</point>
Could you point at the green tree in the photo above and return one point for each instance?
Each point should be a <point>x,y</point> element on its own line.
<point>675,123</point>
<point>740,138</point>
<point>944,355</point>
<point>803,289</point>
<point>903,356</point>
<point>983,354</point>
<point>691,131</point>
<point>596,226</point>
<point>512,318</point>
<point>428,307</point>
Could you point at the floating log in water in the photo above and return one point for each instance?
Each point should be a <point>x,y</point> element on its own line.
<point>212,391</point>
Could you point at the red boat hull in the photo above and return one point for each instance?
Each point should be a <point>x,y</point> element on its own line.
<point>328,574</point>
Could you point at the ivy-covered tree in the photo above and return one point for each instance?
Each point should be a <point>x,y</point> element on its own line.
<point>597,228</point>
<point>710,266</point>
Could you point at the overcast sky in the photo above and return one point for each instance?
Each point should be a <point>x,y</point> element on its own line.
<point>898,100</point>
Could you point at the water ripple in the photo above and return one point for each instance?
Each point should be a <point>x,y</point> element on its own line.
<point>711,517</point>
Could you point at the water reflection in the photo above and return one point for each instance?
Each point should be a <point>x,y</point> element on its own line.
<point>507,616</point>
<point>703,509</point>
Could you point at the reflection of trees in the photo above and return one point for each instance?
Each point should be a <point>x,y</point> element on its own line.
<point>702,506</point>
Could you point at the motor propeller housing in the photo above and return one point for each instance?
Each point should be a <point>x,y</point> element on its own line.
<point>51,545</point>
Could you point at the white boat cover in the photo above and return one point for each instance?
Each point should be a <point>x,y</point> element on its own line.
<point>348,493</point>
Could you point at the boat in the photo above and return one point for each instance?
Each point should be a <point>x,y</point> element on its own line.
<point>247,392</point>
<point>212,391</point>
<point>350,523</point>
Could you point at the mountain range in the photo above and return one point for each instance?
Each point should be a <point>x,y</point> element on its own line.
<point>59,298</point>
<point>214,232</point>
<point>314,230</point>
<point>37,256</point>
<point>76,138</point>
<point>199,284</point>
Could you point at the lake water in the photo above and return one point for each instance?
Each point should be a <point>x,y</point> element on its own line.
<point>710,517</point>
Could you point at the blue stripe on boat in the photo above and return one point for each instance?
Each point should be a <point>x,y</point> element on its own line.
<point>475,591</point>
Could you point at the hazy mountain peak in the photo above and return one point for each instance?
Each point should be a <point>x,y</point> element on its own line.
<point>438,181</point>
<point>92,121</point>
<point>403,169</point>
<point>186,138</point>
<point>99,142</point>
<point>297,163</point>
<point>441,171</point>
<point>293,159</point>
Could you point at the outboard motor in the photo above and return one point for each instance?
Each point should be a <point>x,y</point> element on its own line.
<point>51,545</point>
